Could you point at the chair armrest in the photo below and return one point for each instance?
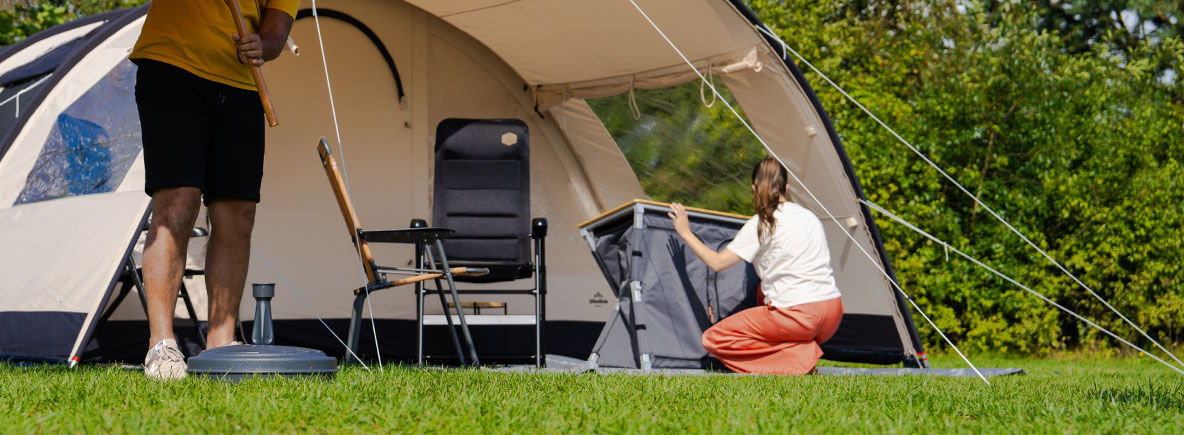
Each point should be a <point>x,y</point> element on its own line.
<point>538,228</point>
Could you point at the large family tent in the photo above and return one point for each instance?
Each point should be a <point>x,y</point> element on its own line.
<point>72,205</point>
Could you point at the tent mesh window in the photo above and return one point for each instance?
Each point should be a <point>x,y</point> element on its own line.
<point>93,142</point>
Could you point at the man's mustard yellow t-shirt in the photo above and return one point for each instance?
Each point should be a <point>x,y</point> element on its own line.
<point>195,35</point>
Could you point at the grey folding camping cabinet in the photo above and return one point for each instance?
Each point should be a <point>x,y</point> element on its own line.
<point>666,296</point>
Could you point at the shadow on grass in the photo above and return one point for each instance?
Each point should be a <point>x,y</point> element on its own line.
<point>1164,397</point>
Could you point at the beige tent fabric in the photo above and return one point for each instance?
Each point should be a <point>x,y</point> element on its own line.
<point>547,96</point>
<point>611,180</point>
<point>300,239</point>
<point>70,245</point>
<point>568,41</point>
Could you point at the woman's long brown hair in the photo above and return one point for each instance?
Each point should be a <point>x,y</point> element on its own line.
<point>769,185</point>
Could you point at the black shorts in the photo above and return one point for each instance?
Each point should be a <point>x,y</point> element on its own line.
<point>199,133</point>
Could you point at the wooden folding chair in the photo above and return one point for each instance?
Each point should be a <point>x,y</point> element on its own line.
<point>424,238</point>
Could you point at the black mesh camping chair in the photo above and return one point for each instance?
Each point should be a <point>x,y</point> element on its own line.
<point>482,191</point>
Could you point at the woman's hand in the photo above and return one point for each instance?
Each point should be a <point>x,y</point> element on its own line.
<point>682,224</point>
<point>717,261</point>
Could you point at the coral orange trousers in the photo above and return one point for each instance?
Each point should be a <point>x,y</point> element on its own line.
<point>770,340</point>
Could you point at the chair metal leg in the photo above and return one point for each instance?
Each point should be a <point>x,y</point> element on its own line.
<point>460,353</point>
<point>139,282</point>
<point>419,295</point>
<point>448,315</point>
<point>355,328</point>
<point>540,308</point>
<point>538,329</point>
<point>464,326</point>
<point>419,324</point>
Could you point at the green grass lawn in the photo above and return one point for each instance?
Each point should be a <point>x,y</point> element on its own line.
<point>1056,395</point>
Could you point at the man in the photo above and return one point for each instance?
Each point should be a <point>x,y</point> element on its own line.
<point>203,129</point>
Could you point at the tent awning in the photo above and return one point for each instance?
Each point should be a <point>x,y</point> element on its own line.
<point>566,41</point>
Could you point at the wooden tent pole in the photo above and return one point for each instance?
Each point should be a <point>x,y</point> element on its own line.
<point>241,25</point>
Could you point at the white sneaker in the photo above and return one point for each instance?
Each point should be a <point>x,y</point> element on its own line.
<point>165,361</point>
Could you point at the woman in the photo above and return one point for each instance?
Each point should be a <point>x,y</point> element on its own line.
<point>802,307</point>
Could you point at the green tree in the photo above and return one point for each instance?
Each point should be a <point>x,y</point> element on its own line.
<point>1123,23</point>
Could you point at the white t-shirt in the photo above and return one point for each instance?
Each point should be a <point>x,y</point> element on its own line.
<point>793,262</point>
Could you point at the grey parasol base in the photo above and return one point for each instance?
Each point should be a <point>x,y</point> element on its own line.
<point>235,363</point>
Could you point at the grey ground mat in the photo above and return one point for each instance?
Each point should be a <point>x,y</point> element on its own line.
<point>564,364</point>
<point>899,371</point>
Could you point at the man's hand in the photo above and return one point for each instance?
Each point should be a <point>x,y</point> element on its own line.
<point>250,48</point>
<point>257,48</point>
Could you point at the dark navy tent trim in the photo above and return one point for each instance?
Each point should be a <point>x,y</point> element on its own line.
<point>120,19</point>
<point>42,65</point>
<point>847,168</point>
<point>362,27</point>
<point>125,340</point>
<point>56,332</point>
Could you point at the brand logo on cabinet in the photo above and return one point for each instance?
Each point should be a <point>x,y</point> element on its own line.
<point>598,300</point>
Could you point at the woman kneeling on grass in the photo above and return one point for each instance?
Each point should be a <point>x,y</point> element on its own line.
<point>802,307</point>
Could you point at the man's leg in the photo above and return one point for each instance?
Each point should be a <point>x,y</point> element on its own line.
<point>174,210</point>
<point>226,265</point>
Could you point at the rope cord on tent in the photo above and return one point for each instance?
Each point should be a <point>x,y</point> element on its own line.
<point>788,49</point>
<point>345,175</point>
<point>17,97</point>
<point>949,248</point>
<point>812,196</point>
<point>702,97</point>
<point>633,108</point>
<point>307,306</point>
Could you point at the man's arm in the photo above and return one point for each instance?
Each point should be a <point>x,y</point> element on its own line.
<point>266,45</point>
